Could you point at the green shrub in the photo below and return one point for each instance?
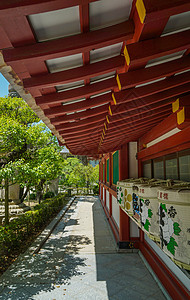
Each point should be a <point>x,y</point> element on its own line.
<point>20,229</point>
<point>33,196</point>
<point>96,189</point>
<point>48,195</point>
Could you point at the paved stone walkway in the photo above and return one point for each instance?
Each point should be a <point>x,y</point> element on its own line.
<point>80,261</point>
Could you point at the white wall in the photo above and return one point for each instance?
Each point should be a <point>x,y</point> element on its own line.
<point>134,229</point>
<point>115,210</point>
<point>103,194</point>
<point>171,265</point>
<point>107,200</point>
<point>133,163</point>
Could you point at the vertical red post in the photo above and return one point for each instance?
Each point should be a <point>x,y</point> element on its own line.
<point>110,204</point>
<point>124,162</point>
<point>124,223</point>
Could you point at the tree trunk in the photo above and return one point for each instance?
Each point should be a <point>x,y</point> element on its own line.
<point>24,194</point>
<point>21,192</point>
<point>6,202</point>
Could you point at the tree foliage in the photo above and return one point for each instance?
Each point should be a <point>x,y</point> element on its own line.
<point>76,174</point>
<point>29,153</point>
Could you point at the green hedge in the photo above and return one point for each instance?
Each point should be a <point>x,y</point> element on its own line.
<point>20,229</point>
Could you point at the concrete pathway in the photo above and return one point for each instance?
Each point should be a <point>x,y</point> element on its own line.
<point>80,261</point>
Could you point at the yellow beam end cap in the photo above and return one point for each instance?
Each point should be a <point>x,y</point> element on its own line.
<point>105,126</point>
<point>126,54</point>
<point>110,111</point>
<point>118,82</point>
<point>114,100</point>
<point>181,116</point>
<point>141,10</point>
<point>107,119</point>
<point>175,106</point>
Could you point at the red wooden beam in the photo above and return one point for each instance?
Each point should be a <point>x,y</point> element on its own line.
<point>88,132</point>
<point>165,126</point>
<point>77,93</point>
<point>76,139</point>
<point>80,115</point>
<point>177,142</point>
<point>84,146</point>
<point>137,77</point>
<point>153,88</point>
<point>87,135</point>
<point>76,74</point>
<point>63,109</point>
<point>159,99</point>
<point>180,102</point>
<point>82,141</point>
<point>183,117</point>
<point>131,134</point>
<point>71,45</point>
<point>132,126</point>
<point>141,113</point>
<point>164,8</point>
<point>28,7</point>
<point>92,135</point>
<point>80,129</point>
<point>109,146</point>
<point>143,51</point>
<point>84,122</point>
<point>141,118</point>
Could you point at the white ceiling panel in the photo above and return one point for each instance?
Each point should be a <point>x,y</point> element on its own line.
<point>147,83</point>
<point>105,52</point>
<point>164,59</point>
<point>108,12</point>
<point>70,86</point>
<point>64,63</point>
<point>100,94</point>
<point>102,77</point>
<point>73,101</point>
<point>182,72</point>
<point>177,23</point>
<point>56,24</point>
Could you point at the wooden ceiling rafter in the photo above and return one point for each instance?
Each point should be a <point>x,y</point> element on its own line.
<point>76,74</point>
<point>66,46</point>
<point>64,118</point>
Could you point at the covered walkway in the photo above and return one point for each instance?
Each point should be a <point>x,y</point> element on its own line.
<point>80,261</point>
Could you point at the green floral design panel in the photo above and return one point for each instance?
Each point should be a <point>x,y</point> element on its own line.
<point>108,170</point>
<point>103,172</point>
<point>115,167</point>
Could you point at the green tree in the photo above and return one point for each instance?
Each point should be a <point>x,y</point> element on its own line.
<point>29,153</point>
<point>17,109</point>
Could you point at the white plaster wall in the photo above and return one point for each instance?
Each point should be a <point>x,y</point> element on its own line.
<point>103,194</point>
<point>115,210</point>
<point>107,200</point>
<point>171,265</point>
<point>13,192</point>
<point>133,163</point>
<point>134,230</point>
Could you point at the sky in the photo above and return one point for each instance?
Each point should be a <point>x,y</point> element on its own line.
<point>3,86</point>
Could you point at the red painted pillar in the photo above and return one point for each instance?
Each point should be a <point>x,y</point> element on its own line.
<point>124,162</point>
<point>140,165</point>
<point>124,226</point>
<point>124,223</point>
<point>110,204</point>
<point>110,183</point>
